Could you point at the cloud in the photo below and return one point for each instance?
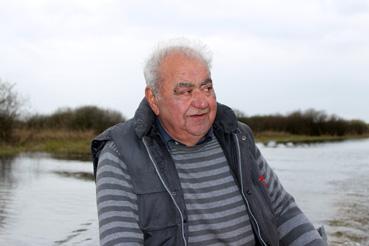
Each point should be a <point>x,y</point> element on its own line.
<point>344,7</point>
<point>67,53</point>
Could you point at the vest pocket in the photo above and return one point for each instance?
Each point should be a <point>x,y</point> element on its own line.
<point>156,210</point>
<point>158,217</point>
<point>163,237</point>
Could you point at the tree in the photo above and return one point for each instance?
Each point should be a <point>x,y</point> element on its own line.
<point>9,110</point>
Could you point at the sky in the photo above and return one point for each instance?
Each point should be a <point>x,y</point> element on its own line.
<point>268,56</point>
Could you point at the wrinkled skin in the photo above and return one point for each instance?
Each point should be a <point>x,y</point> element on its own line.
<point>186,102</point>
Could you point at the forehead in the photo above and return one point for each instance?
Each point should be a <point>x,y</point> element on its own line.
<point>181,65</point>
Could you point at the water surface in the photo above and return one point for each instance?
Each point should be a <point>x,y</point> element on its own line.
<point>48,201</point>
<point>330,182</point>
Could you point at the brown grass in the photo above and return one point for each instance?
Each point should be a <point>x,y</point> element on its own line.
<point>58,142</point>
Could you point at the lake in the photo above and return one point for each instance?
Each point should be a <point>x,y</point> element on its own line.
<point>50,201</point>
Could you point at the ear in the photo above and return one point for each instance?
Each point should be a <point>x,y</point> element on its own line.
<point>151,99</point>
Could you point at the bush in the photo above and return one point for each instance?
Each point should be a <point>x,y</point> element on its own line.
<point>91,117</point>
<point>81,118</point>
<point>310,122</point>
<point>9,109</point>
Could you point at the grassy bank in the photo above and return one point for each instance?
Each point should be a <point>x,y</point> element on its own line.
<point>76,144</point>
<point>284,138</point>
<point>57,142</point>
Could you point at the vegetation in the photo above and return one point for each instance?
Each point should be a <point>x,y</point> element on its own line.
<point>9,109</point>
<point>79,119</point>
<point>308,123</point>
<point>68,132</point>
<point>62,142</point>
<point>286,138</point>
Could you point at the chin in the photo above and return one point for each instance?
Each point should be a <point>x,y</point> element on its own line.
<point>200,131</point>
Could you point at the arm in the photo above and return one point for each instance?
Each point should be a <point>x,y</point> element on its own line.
<point>293,226</point>
<point>116,201</point>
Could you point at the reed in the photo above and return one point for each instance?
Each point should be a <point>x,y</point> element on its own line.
<point>58,142</point>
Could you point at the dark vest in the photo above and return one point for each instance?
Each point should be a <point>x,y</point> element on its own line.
<point>161,206</point>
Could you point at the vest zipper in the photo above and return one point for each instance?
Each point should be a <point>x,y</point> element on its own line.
<point>167,189</point>
<point>242,193</point>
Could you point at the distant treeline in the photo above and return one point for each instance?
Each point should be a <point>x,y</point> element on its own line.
<point>310,122</point>
<point>81,118</point>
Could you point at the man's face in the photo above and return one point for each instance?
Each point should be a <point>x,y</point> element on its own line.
<point>186,103</point>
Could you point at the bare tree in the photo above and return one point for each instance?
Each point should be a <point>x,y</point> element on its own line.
<point>10,104</point>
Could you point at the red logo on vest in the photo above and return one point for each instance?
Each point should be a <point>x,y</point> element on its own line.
<point>263,181</point>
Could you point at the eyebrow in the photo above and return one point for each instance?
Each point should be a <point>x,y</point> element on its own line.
<point>190,84</point>
<point>184,84</point>
<point>206,81</point>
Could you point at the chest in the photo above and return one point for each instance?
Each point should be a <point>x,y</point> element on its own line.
<point>214,206</point>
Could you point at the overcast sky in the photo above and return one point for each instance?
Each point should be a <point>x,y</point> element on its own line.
<point>268,56</point>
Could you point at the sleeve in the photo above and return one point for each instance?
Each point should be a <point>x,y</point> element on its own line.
<point>116,201</point>
<point>293,226</point>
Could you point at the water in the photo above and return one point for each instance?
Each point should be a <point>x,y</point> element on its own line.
<point>45,201</point>
<point>330,182</point>
<point>48,201</point>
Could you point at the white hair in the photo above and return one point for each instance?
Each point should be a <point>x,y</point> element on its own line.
<point>189,48</point>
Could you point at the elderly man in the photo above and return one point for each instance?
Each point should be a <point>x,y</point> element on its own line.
<point>184,171</point>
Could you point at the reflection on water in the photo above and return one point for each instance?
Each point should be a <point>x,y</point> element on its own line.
<point>71,157</point>
<point>47,201</point>
<point>88,176</point>
<point>51,201</point>
<point>7,184</point>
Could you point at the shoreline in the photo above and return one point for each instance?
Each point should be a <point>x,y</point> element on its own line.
<point>59,143</point>
<point>76,144</point>
<point>282,138</point>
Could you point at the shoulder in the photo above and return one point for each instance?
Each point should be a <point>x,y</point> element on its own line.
<point>118,131</point>
<point>246,130</point>
<point>244,127</point>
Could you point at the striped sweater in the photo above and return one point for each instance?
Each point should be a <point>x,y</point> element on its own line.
<point>215,209</point>
<point>216,212</point>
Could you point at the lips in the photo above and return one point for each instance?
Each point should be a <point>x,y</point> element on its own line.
<point>198,114</point>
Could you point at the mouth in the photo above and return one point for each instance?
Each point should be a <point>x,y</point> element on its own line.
<point>198,115</point>
<point>195,116</point>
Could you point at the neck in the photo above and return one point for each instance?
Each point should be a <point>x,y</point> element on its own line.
<point>188,140</point>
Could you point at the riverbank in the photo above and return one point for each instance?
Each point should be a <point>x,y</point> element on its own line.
<point>286,138</point>
<point>64,143</point>
<point>76,144</point>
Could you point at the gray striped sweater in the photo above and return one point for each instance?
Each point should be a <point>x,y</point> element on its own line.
<point>215,209</point>
<point>216,212</point>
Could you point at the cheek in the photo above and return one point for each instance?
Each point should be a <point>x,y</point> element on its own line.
<point>177,110</point>
<point>212,102</point>
<point>213,107</point>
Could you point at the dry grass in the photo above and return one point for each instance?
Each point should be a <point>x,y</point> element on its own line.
<point>58,142</point>
<point>282,137</point>
<point>27,135</point>
<point>76,144</point>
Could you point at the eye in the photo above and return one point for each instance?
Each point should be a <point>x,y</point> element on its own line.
<point>183,91</point>
<point>187,92</point>
<point>207,87</point>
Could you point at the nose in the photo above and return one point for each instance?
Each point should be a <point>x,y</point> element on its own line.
<point>199,100</point>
